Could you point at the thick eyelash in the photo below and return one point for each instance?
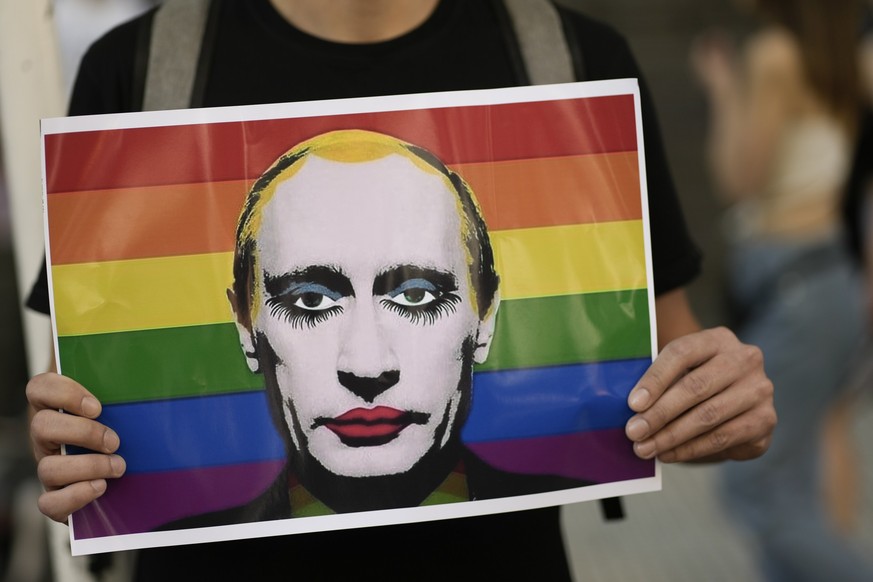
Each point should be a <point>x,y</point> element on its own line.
<point>425,314</point>
<point>300,317</point>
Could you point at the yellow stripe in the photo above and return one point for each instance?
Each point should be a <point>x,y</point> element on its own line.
<point>565,260</point>
<point>142,294</point>
<point>114,296</point>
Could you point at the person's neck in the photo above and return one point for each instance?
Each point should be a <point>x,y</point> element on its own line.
<point>355,21</point>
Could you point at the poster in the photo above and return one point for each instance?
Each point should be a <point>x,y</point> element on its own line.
<point>313,316</point>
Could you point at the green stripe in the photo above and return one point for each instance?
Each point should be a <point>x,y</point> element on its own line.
<point>571,329</point>
<point>160,363</point>
<point>200,360</point>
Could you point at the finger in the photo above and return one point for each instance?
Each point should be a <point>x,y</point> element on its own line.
<point>673,362</point>
<point>53,391</point>
<point>744,437</point>
<point>49,429</point>
<point>701,419</point>
<point>748,451</point>
<point>59,504</point>
<point>695,387</point>
<point>58,471</point>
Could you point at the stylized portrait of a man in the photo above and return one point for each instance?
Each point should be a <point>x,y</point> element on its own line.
<point>364,291</point>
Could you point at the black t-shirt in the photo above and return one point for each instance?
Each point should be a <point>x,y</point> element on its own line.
<point>260,58</point>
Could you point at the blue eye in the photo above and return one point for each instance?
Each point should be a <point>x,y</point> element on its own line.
<point>420,301</point>
<point>414,293</point>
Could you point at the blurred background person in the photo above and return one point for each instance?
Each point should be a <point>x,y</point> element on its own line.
<point>785,108</point>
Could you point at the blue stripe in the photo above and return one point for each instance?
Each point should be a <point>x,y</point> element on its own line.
<point>168,435</point>
<point>226,429</point>
<point>514,404</point>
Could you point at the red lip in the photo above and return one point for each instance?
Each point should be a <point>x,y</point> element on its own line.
<point>378,414</point>
<point>378,422</point>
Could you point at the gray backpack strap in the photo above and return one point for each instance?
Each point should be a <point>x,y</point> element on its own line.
<point>548,54</point>
<point>174,54</point>
<point>542,41</point>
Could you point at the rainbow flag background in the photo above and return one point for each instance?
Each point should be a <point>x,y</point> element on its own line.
<point>141,224</point>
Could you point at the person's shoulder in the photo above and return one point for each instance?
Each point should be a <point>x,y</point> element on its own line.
<point>119,41</point>
<point>105,80</point>
<point>598,31</point>
<point>604,50</point>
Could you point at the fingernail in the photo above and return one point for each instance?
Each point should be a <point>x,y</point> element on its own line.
<point>99,486</point>
<point>639,398</point>
<point>90,406</point>
<point>110,440</point>
<point>645,450</point>
<point>637,428</point>
<point>118,465</point>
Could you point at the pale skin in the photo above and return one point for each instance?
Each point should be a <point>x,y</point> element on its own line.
<point>705,397</point>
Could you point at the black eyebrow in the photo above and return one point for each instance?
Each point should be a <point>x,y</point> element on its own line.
<point>392,278</point>
<point>330,277</point>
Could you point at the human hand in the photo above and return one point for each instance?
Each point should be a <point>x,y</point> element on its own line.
<point>70,481</point>
<point>704,398</point>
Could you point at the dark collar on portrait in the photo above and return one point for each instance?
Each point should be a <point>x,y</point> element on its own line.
<point>452,489</point>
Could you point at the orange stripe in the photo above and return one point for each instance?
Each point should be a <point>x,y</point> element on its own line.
<point>190,219</point>
<point>557,191</point>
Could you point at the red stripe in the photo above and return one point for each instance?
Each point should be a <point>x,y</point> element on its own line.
<point>242,150</point>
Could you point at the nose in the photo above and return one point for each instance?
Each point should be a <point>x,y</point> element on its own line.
<point>367,365</point>
<point>366,387</point>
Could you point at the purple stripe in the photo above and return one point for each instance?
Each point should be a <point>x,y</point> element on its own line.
<point>143,502</point>
<point>602,456</point>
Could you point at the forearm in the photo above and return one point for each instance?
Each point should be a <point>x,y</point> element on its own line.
<point>674,317</point>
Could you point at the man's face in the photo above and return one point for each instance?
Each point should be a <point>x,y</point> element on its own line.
<point>367,307</point>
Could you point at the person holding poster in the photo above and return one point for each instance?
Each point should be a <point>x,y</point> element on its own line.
<point>706,396</point>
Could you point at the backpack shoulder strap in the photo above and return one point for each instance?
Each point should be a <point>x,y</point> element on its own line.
<point>543,51</point>
<point>176,64</point>
<point>539,33</point>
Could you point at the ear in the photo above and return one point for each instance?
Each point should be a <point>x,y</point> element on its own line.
<point>486,331</point>
<point>246,337</point>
